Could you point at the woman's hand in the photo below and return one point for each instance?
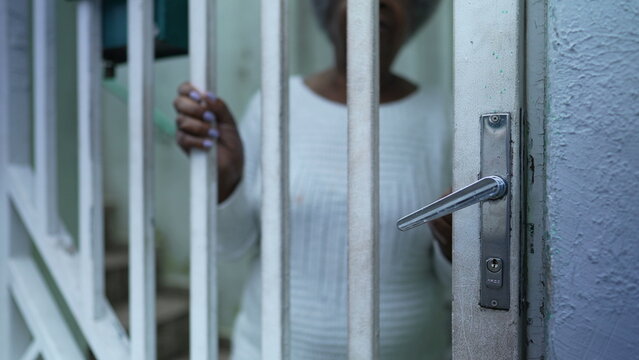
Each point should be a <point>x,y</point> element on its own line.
<point>442,229</point>
<point>203,121</point>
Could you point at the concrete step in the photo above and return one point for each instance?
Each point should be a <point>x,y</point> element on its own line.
<point>116,265</point>
<point>172,316</point>
<point>224,354</point>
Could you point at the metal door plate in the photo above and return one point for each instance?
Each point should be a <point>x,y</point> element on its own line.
<point>496,151</point>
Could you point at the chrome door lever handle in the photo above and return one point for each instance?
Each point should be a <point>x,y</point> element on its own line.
<point>487,188</point>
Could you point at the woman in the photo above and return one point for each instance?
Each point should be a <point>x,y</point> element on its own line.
<point>414,169</point>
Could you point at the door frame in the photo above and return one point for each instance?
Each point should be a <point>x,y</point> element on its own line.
<point>534,158</point>
<point>489,77</point>
<point>517,85</point>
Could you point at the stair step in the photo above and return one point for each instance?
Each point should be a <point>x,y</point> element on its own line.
<point>172,316</point>
<point>116,265</point>
<point>224,354</point>
<point>116,259</point>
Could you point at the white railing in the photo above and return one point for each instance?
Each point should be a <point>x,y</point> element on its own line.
<point>141,204</point>
<point>28,203</point>
<point>29,215</point>
<point>363,179</point>
<point>90,211</point>
<point>44,70</point>
<point>275,183</point>
<point>203,204</point>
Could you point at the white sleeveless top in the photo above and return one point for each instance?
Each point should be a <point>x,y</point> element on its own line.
<point>415,168</point>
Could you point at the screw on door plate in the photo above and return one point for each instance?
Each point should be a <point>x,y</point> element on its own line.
<point>496,120</point>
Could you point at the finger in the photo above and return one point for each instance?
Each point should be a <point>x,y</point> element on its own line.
<point>188,142</point>
<point>195,127</point>
<point>442,240</point>
<point>187,106</point>
<point>441,230</point>
<point>444,226</point>
<point>219,107</point>
<point>190,91</point>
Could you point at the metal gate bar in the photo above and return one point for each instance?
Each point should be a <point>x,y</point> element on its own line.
<point>90,156</point>
<point>203,287</point>
<point>5,207</point>
<point>363,179</point>
<point>44,81</point>
<point>275,182</point>
<point>141,186</point>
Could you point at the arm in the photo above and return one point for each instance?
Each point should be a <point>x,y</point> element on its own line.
<point>442,229</point>
<point>205,121</point>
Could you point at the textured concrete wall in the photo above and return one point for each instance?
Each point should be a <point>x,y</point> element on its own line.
<point>592,179</point>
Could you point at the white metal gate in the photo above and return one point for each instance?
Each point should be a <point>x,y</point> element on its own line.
<point>28,203</point>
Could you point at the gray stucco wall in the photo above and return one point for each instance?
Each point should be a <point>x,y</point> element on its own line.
<point>592,179</point>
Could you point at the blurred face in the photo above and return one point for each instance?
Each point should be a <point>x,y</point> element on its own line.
<point>394,30</point>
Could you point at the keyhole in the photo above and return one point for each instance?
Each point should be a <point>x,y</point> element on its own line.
<point>494,264</point>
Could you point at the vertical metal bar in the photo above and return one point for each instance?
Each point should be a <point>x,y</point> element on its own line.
<point>203,299</point>
<point>141,188</point>
<point>44,78</point>
<point>90,155</point>
<point>363,179</point>
<point>275,182</point>
<point>5,298</point>
<point>15,149</point>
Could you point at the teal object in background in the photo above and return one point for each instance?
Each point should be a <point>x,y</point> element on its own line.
<point>171,22</point>
<point>114,24</point>
<point>160,119</point>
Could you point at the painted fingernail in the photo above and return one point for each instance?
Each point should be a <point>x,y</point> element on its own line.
<point>195,95</point>
<point>207,143</point>
<point>211,96</point>
<point>209,116</point>
<point>214,133</point>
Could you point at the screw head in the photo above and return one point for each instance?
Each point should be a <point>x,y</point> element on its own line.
<point>494,120</point>
<point>493,303</point>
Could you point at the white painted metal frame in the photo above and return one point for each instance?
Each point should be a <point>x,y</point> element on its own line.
<point>363,179</point>
<point>275,226</point>
<point>5,113</point>
<point>141,187</point>
<point>203,203</point>
<point>50,331</point>
<point>28,209</point>
<point>105,334</point>
<point>32,353</point>
<point>44,73</point>
<point>90,156</point>
<point>488,68</point>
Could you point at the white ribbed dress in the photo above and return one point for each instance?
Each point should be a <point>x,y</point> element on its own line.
<point>415,168</point>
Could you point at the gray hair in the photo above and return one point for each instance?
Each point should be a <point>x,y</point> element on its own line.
<point>420,12</point>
